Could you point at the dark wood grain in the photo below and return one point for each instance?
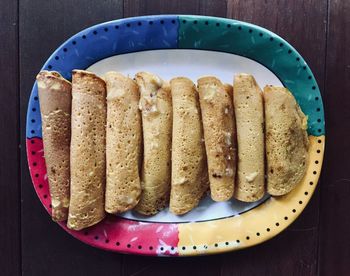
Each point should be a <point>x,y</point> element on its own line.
<point>10,261</point>
<point>334,243</point>
<point>47,249</point>
<point>303,24</point>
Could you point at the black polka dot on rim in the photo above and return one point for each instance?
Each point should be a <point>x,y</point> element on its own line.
<point>311,183</point>
<point>297,58</point>
<point>96,237</point>
<point>32,131</point>
<point>228,26</point>
<point>206,23</point>
<point>151,248</point>
<point>32,120</point>
<point>277,224</point>
<point>50,66</point>
<point>95,32</point>
<point>285,218</point>
<point>314,87</point>
<point>86,233</point>
<point>74,42</point>
<point>128,25</point>
<point>33,109</point>
<point>34,164</point>
<point>139,247</point>
<point>50,206</point>
<point>162,249</point>
<point>172,248</point>
<point>304,67</point>
<point>84,36</point>
<point>281,44</point>
<point>36,175</point>
<point>319,141</point>
<point>319,120</point>
<point>314,172</point>
<point>306,193</point>
<point>162,22</point>
<point>107,241</point>
<point>318,151</point>
<point>316,162</point>
<point>309,77</point>
<point>238,241</point>
<point>117,243</point>
<point>261,34</point>
<point>247,237</point>
<point>106,29</point>
<point>289,51</point>
<point>32,141</point>
<point>40,186</point>
<point>318,109</point>
<point>45,196</point>
<point>33,152</point>
<point>128,245</point>
<point>258,234</point>
<point>250,31</point>
<point>268,229</point>
<point>217,24</point>
<point>216,245</point>
<point>194,247</point>
<point>139,23</point>
<point>184,21</point>
<point>116,27</point>
<point>36,98</point>
<point>65,49</point>
<point>226,243</point>
<point>271,38</point>
<point>57,57</point>
<point>183,248</point>
<point>173,21</point>
<point>300,202</point>
<point>239,28</point>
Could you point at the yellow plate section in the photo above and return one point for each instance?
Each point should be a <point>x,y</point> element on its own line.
<point>257,225</point>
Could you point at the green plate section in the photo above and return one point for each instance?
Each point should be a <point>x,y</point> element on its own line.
<point>263,46</point>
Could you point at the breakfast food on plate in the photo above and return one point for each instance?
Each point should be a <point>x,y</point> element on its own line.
<point>55,97</point>
<point>156,108</point>
<point>249,111</point>
<point>188,176</point>
<point>88,166</point>
<point>215,137</point>
<point>219,136</point>
<point>123,144</point>
<point>286,140</point>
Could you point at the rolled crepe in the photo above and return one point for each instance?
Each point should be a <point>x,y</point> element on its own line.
<point>219,135</point>
<point>55,105</point>
<point>155,104</point>
<point>286,140</point>
<point>88,164</point>
<point>189,171</point>
<point>249,111</point>
<point>123,149</point>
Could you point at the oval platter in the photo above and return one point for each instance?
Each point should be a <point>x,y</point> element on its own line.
<point>172,45</point>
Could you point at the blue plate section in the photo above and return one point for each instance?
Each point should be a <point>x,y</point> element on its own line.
<point>101,41</point>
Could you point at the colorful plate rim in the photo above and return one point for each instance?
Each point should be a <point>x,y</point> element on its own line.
<point>188,32</point>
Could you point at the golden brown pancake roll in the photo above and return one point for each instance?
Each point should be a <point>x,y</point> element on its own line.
<point>55,94</point>
<point>189,170</point>
<point>249,111</point>
<point>286,140</point>
<point>123,149</point>
<point>88,162</point>
<point>219,135</point>
<point>156,107</point>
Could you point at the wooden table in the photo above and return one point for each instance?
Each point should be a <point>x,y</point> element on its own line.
<point>317,243</point>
